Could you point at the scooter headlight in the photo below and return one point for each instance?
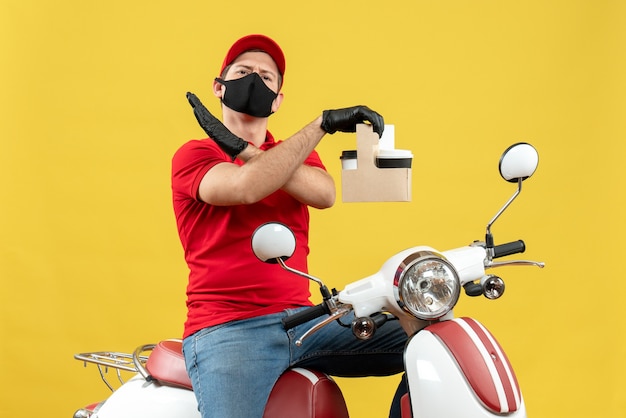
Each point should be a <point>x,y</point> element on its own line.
<point>426,285</point>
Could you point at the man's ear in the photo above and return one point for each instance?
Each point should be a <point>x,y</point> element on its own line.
<point>277,101</point>
<point>218,89</point>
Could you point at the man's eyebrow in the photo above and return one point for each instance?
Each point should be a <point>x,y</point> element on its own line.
<point>250,67</point>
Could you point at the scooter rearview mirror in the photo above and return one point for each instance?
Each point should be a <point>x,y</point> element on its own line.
<point>519,161</point>
<point>273,241</point>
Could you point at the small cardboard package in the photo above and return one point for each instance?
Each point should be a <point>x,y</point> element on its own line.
<point>376,172</point>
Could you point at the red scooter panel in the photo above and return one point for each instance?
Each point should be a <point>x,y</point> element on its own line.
<point>305,393</point>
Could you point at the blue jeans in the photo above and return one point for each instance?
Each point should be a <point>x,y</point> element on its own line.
<point>233,366</point>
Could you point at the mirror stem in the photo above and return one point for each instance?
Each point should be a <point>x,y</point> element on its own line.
<point>326,294</point>
<point>489,236</point>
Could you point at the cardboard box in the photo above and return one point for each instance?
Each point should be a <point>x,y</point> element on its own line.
<point>369,183</point>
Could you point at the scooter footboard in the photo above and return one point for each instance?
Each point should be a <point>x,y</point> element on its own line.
<point>456,368</point>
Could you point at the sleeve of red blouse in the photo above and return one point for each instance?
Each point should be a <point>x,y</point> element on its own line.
<point>314,160</point>
<point>191,162</point>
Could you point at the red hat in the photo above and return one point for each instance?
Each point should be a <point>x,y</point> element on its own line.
<point>261,42</point>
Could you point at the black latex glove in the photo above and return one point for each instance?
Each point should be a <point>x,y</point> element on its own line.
<point>230,143</point>
<point>345,120</point>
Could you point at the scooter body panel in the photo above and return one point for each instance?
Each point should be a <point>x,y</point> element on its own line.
<point>138,398</point>
<point>454,371</point>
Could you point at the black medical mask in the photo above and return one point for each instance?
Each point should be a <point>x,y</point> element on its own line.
<point>249,95</point>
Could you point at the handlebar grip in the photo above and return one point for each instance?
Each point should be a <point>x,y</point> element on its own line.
<point>305,316</point>
<point>509,248</point>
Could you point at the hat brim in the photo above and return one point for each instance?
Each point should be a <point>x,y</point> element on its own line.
<point>252,42</point>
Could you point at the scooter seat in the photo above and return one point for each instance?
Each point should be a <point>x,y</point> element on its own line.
<point>166,364</point>
<point>305,393</point>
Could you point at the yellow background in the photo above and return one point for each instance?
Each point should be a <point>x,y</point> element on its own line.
<point>92,106</point>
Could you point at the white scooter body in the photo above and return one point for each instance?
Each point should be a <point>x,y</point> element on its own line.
<point>138,398</point>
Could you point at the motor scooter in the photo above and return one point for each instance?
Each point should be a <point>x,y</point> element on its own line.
<point>454,366</point>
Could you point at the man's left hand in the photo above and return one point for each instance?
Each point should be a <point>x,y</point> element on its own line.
<point>230,143</point>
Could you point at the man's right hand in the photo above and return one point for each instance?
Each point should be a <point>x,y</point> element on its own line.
<point>345,120</point>
<point>230,143</point>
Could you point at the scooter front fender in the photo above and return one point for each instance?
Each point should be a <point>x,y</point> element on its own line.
<point>138,398</point>
<point>456,368</point>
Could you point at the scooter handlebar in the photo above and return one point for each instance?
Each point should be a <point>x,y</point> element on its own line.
<point>509,248</point>
<point>305,315</point>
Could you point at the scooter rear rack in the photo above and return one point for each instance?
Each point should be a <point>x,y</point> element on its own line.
<point>133,363</point>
